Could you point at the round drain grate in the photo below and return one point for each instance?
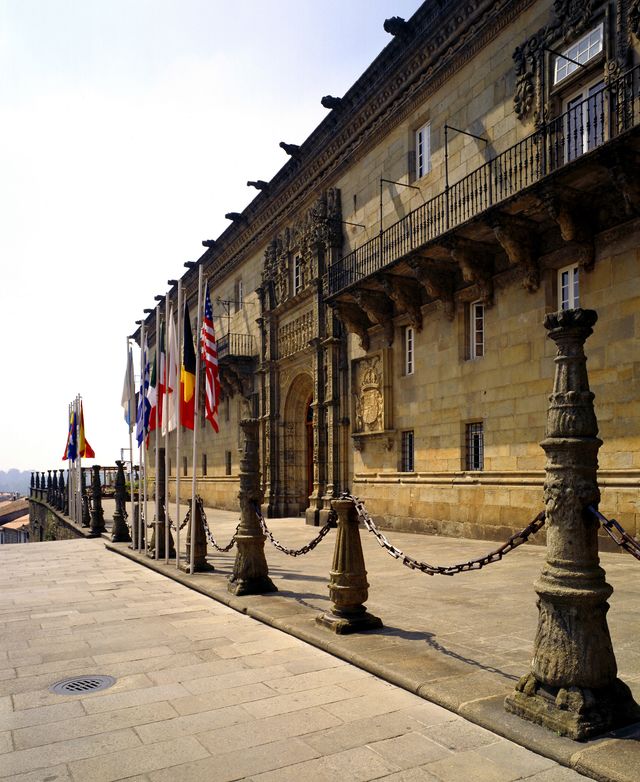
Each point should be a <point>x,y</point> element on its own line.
<point>77,685</point>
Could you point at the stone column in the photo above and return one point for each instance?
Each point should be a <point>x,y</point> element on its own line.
<point>250,571</point>
<point>572,688</point>
<point>196,533</point>
<point>348,587</point>
<point>97,514</point>
<point>120,530</point>
<point>86,509</point>
<point>162,515</point>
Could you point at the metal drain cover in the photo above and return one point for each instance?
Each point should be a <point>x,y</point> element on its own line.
<point>77,685</point>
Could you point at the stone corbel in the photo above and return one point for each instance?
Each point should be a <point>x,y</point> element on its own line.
<point>406,295</point>
<point>438,282</point>
<point>354,320</point>
<point>622,166</point>
<point>517,238</point>
<point>378,307</point>
<point>569,212</point>
<point>476,264</point>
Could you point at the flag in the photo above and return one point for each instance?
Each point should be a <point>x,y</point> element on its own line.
<point>71,448</point>
<point>153,395</point>
<point>156,388</point>
<point>187,374</point>
<point>84,449</point>
<point>128,393</point>
<point>144,409</point>
<point>170,416</point>
<point>209,353</point>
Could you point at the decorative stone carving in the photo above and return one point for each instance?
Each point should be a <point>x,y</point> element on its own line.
<point>119,530</point>
<point>368,395</point>
<point>439,282</point>
<point>379,309</point>
<point>296,335</point>
<point>623,167</point>
<point>634,18</point>
<point>567,209</point>
<point>476,264</point>
<point>354,320</point>
<point>406,295</point>
<point>572,688</point>
<point>517,238</point>
<point>526,64</point>
<point>574,16</point>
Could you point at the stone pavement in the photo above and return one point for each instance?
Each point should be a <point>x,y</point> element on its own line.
<point>204,692</point>
<point>459,642</point>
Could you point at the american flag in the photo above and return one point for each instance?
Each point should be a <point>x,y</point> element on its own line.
<point>209,353</point>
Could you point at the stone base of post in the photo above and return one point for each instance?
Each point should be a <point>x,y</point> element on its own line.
<point>348,587</point>
<point>161,536</point>
<point>195,531</point>
<point>250,573</point>
<point>119,530</point>
<point>577,712</point>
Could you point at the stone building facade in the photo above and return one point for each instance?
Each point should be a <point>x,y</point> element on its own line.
<point>382,297</point>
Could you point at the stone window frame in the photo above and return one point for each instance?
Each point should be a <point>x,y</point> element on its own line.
<point>409,352</point>
<point>474,446</point>
<point>204,464</point>
<point>407,451</point>
<point>422,144</point>
<point>476,330</point>
<point>572,298</point>
<point>227,463</point>
<point>560,64</point>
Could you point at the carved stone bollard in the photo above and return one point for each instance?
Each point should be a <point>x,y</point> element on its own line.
<point>195,532</point>
<point>162,516</point>
<point>348,587</point>
<point>49,486</point>
<point>32,485</point>
<point>36,491</point>
<point>572,688</point>
<point>86,506</point>
<point>120,531</point>
<point>250,571</point>
<point>54,490</point>
<point>64,502</point>
<point>97,514</point>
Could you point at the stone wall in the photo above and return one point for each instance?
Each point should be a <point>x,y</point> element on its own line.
<point>45,523</point>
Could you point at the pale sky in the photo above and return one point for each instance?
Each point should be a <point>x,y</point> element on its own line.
<point>128,128</point>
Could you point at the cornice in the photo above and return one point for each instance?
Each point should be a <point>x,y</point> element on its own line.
<point>400,78</point>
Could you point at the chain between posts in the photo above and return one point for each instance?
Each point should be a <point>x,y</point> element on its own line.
<point>295,552</point>
<point>617,533</point>
<point>172,526</point>
<point>208,532</point>
<point>447,570</point>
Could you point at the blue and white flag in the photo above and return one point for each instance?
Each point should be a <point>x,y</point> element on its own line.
<point>144,406</point>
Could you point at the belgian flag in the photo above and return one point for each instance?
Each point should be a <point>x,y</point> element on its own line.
<point>187,374</point>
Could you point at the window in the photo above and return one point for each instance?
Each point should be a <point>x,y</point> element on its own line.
<point>170,467</point>
<point>227,462</point>
<point>184,465</point>
<point>298,275</point>
<point>238,295</point>
<point>584,124</point>
<point>407,455</point>
<point>583,50</point>
<point>476,330</point>
<point>474,446</point>
<point>423,150</point>
<point>568,288</point>
<point>409,338</point>
<point>204,463</point>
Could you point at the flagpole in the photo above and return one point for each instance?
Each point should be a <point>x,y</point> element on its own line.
<point>178,399</point>
<point>132,400</point>
<point>165,423</point>
<point>77,413</point>
<point>72,498</point>
<point>155,439</point>
<point>192,552</point>
<point>141,493</point>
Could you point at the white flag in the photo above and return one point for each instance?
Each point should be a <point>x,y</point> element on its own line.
<point>129,395</point>
<point>170,404</point>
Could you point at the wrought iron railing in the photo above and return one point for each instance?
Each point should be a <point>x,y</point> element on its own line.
<point>235,345</point>
<point>606,113</point>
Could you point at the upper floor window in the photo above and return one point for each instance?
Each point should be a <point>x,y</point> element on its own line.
<point>585,121</point>
<point>409,340</point>
<point>476,329</point>
<point>474,446</point>
<point>581,51</point>
<point>238,294</point>
<point>423,150</point>
<point>298,275</point>
<point>568,288</point>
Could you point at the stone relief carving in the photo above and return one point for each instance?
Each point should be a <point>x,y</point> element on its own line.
<point>634,18</point>
<point>368,395</point>
<point>295,336</point>
<point>319,227</point>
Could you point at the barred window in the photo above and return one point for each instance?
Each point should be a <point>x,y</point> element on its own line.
<point>227,462</point>
<point>204,463</point>
<point>407,456</point>
<point>474,446</point>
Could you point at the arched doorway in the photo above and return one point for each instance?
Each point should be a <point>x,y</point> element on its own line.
<point>297,456</point>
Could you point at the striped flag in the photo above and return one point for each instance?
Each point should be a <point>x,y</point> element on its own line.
<point>144,408</point>
<point>209,352</point>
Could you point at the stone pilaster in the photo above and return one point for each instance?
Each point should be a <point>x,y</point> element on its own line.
<point>250,571</point>
<point>572,687</point>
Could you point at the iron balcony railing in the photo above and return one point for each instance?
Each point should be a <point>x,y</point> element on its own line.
<point>603,115</point>
<point>235,345</point>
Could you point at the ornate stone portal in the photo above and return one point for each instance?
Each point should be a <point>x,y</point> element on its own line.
<point>572,687</point>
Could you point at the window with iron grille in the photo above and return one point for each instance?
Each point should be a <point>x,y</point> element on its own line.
<point>423,150</point>
<point>476,329</point>
<point>407,463</point>
<point>568,287</point>
<point>204,463</point>
<point>474,446</point>
<point>409,340</point>
<point>184,465</point>
<point>227,462</point>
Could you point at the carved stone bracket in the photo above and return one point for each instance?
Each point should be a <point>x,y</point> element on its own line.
<point>236,376</point>
<point>623,167</point>
<point>406,295</point>
<point>354,320</point>
<point>379,309</point>
<point>568,210</point>
<point>476,264</point>
<point>437,281</point>
<point>634,18</point>
<point>517,237</point>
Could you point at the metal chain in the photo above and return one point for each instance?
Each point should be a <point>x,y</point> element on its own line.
<point>172,525</point>
<point>447,570</point>
<point>617,533</point>
<point>212,540</point>
<point>294,552</point>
